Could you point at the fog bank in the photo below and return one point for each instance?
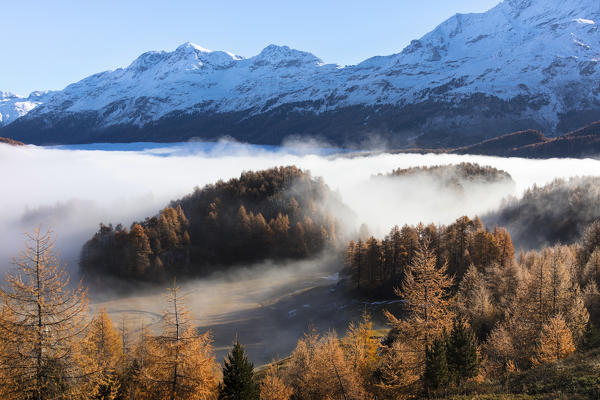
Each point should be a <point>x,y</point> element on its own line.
<point>72,190</point>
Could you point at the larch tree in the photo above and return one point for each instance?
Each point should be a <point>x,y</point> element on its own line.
<point>590,240</point>
<point>273,386</point>
<point>180,363</point>
<point>127,368</point>
<point>555,342</point>
<point>373,262</point>
<point>318,369</point>
<point>591,296</point>
<point>591,270</point>
<point>425,291</point>
<point>103,349</point>
<point>41,326</point>
<point>359,262</point>
<point>504,283</point>
<point>500,351</point>
<point>361,346</point>
<point>549,290</point>
<point>339,380</point>
<point>506,249</point>
<point>474,302</point>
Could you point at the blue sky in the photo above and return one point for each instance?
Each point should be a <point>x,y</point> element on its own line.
<point>49,44</point>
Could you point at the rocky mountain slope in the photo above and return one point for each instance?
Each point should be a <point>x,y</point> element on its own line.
<point>525,64</point>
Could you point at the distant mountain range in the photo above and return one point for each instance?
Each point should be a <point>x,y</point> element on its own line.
<point>525,64</point>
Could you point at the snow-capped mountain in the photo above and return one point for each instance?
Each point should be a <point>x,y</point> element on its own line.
<point>13,106</point>
<point>523,64</point>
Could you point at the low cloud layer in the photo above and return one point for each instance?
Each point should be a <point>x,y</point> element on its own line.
<point>73,190</point>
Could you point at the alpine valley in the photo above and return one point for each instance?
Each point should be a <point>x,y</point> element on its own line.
<point>524,64</point>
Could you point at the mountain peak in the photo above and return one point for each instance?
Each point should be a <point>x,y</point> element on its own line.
<point>187,46</point>
<point>7,95</point>
<point>521,64</point>
<point>185,57</point>
<point>277,55</point>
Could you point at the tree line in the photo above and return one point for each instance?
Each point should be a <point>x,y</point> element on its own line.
<point>280,213</point>
<point>379,266</point>
<point>455,176</point>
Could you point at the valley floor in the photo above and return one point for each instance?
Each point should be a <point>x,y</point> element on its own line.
<point>268,315</point>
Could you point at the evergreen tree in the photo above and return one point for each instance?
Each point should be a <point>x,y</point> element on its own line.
<point>238,376</point>
<point>591,337</point>
<point>436,375</point>
<point>463,360</point>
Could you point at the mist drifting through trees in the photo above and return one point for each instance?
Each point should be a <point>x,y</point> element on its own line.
<point>473,303</point>
<point>82,188</point>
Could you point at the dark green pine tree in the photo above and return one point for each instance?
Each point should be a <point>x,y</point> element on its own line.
<point>436,374</point>
<point>238,376</point>
<point>591,337</point>
<point>463,360</point>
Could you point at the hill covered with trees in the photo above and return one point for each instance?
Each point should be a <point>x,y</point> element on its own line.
<point>281,213</point>
<point>584,142</point>
<point>555,213</point>
<point>455,176</point>
<point>11,141</point>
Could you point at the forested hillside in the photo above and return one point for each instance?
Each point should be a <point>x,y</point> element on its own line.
<point>507,325</point>
<point>475,316</point>
<point>379,266</point>
<point>11,141</point>
<point>455,176</point>
<point>281,213</point>
<point>580,143</point>
<point>555,213</point>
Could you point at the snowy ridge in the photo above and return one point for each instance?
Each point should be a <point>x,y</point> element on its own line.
<point>13,106</point>
<point>541,52</point>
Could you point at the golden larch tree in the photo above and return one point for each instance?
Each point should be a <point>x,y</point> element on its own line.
<point>361,346</point>
<point>548,289</point>
<point>180,363</point>
<point>500,351</point>
<point>41,326</point>
<point>474,302</point>
<point>103,347</point>
<point>555,342</point>
<point>425,291</point>
<point>273,387</point>
<point>318,369</point>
